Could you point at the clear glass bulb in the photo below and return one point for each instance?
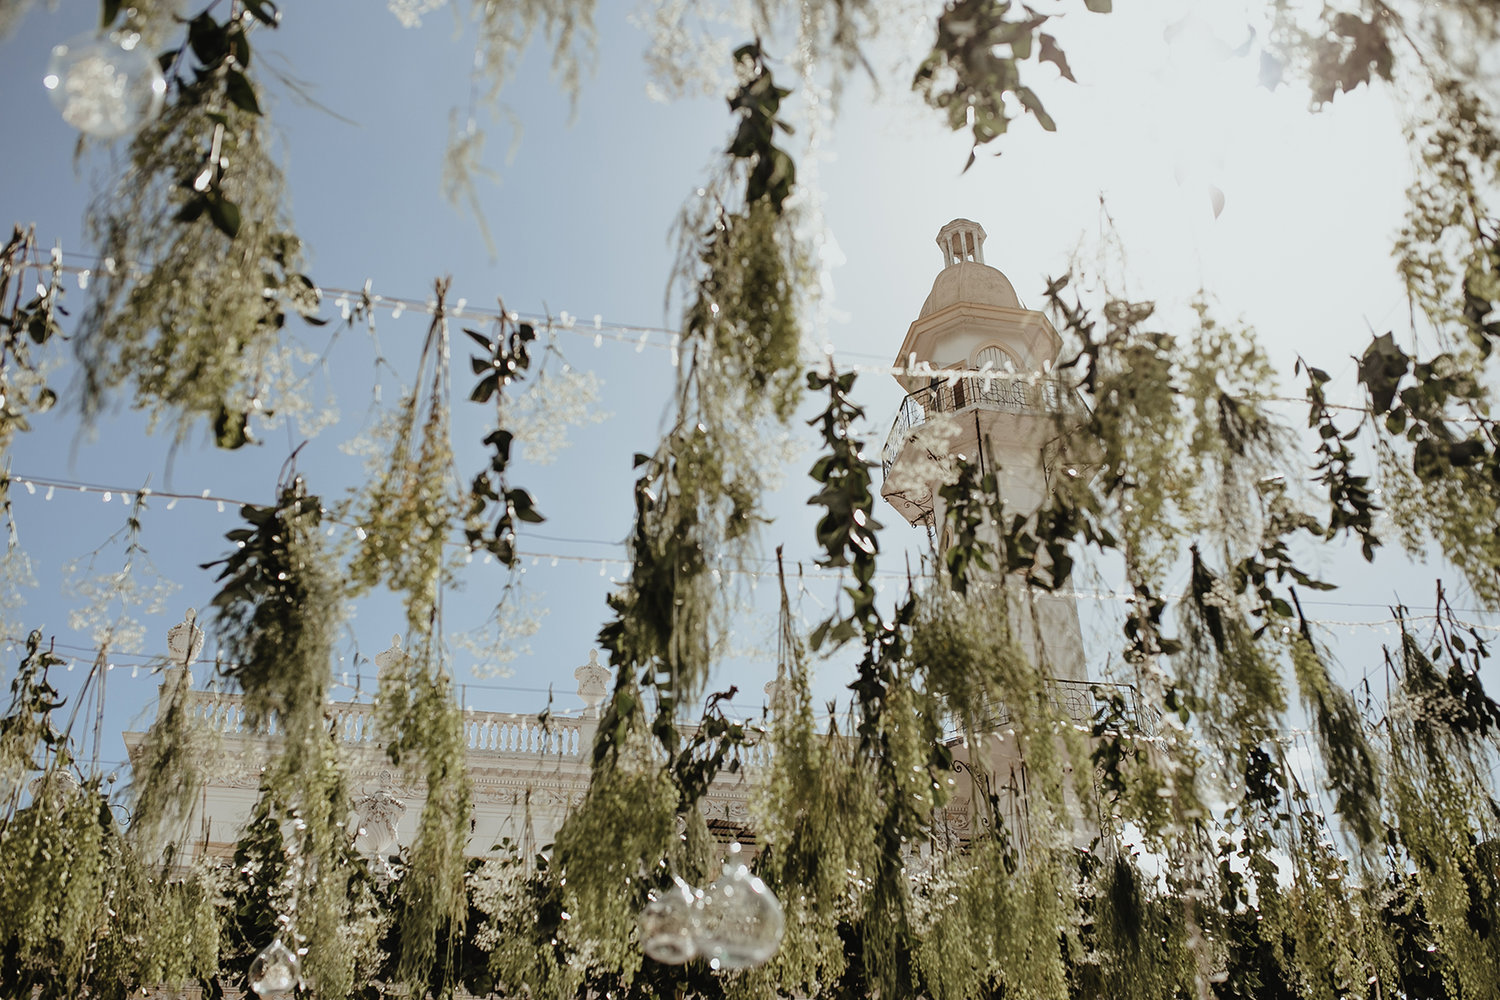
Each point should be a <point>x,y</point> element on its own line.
<point>105,85</point>
<point>739,920</point>
<point>275,970</point>
<point>668,922</point>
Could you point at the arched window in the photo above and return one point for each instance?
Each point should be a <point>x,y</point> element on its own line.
<point>1001,391</point>
<point>997,357</point>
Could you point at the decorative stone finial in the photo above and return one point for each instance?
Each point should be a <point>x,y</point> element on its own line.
<point>961,240</point>
<point>593,683</point>
<point>185,640</point>
<point>379,815</point>
<point>390,659</point>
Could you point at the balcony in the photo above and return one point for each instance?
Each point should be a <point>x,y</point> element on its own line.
<point>353,725</point>
<point>1030,396</point>
<point>1084,702</point>
<point>514,735</point>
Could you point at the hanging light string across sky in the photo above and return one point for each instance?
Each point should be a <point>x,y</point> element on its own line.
<point>50,488</point>
<point>352,303</point>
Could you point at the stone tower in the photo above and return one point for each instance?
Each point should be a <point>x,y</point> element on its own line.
<point>979,383</point>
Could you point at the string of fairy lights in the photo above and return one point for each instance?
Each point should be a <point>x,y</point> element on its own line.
<point>754,571</point>
<point>353,304</point>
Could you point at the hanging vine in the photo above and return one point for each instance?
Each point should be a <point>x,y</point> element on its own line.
<point>696,500</point>
<point>201,268</point>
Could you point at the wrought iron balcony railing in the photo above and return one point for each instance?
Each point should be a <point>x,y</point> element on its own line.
<point>1021,394</point>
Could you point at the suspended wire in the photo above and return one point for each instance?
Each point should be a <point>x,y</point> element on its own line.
<point>765,566</point>
<point>351,302</point>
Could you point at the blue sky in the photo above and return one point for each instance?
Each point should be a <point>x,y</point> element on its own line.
<point>581,214</point>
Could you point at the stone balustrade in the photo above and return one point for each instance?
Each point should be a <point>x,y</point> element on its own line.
<point>354,724</point>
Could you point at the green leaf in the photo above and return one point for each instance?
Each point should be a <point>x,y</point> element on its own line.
<point>1381,369</point>
<point>500,440</point>
<point>225,215</point>
<point>1032,103</point>
<point>1099,6</point>
<point>521,502</point>
<point>209,39</point>
<point>231,430</point>
<point>239,46</point>
<point>241,93</point>
<point>485,389</point>
<point>192,209</point>
<point>1053,54</point>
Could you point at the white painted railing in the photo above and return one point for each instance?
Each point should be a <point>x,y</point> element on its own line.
<point>355,724</point>
<point>506,733</point>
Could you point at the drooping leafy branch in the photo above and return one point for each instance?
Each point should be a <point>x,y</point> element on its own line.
<point>697,497</point>
<point>506,361</point>
<point>976,61</point>
<point>406,514</point>
<point>218,56</point>
<point>27,723</point>
<point>846,533</point>
<point>27,327</point>
<point>276,613</point>
<point>1442,736</point>
<point>201,268</point>
<point>1436,412</point>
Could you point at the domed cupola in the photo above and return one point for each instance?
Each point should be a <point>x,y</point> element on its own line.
<point>973,317</point>
<point>965,276</point>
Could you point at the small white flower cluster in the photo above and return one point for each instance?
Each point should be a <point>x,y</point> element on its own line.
<point>409,12</point>
<point>372,445</point>
<point>111,597</point>
<point>289,376</point>
<point>560,398</point>
<point>496,644</point>
<point>498,887</point>
<point>15,576</point>
<point>1220,595</point>
<point>686,59</point>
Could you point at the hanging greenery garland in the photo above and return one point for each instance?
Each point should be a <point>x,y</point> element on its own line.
<point>926,848</point>
<point>739,372</point>
<point>202,268</point>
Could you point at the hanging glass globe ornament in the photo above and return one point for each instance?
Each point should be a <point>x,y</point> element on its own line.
<point>105,85</point>
<point>275,970</point>
<point>668,923</point>
<point>739,920</point>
